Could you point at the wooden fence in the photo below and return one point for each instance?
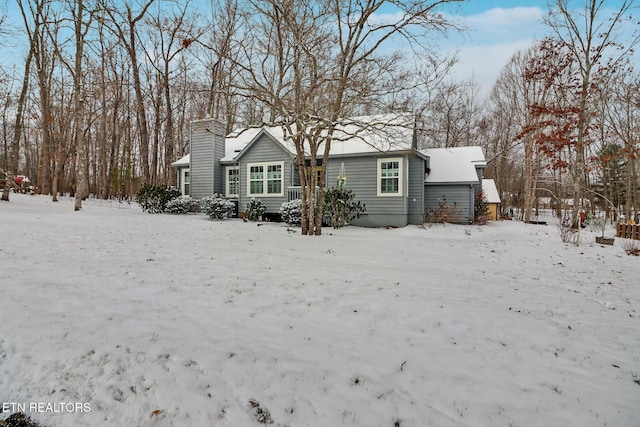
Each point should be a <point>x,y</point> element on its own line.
<point>628,231</point>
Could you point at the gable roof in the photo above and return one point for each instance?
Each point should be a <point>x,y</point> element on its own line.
<point>454,164</point>
<point>239,143</point>
<point>182,162</point>
<point>490,191</point>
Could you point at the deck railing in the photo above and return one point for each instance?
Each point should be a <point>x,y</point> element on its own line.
<point>294,193</point>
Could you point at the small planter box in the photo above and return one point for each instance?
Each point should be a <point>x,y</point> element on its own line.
<point>605,240</point>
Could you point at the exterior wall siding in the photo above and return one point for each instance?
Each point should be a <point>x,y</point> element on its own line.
<point>218,153</point>
<point>207,148</point>
<point>461,194</point>
<point>415,200</point>
<point>265,150</point>
<point>362,173</point>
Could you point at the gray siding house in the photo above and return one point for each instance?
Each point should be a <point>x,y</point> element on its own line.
<point>456,176</point>
<point>397,182</point>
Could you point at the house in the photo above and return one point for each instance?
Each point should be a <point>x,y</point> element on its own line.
<point>455,176</point>
<point>397,182</point>
<point>490,193</point>
<point>184,178</point>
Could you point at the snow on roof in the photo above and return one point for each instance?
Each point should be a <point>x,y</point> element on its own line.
<point>454,164</point>
<point>184,161</point>
<point>236,141</point>
<point>365,134</point>
<point>490,191</point>
<point>370,134</point>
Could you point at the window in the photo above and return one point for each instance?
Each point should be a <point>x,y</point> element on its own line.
<point>274,179</point>
<point>233,181</point>
<point>390,177</point>
<point>265,179</point>
<point>318,169</point>
<point>186,181</point>
<point>256,179</point>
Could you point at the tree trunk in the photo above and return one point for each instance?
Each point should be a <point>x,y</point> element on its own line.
<point>169,140</point>
<point>82,188</point>
<point>57,169</point>
<point>17,130</point>
<point>529,190</point>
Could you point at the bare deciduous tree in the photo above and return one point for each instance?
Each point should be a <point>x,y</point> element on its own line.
<point>590,40</point>
<point>124,24</point>
<point>40,23</point>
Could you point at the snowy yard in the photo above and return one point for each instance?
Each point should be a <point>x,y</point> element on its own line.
<point>114,317</point>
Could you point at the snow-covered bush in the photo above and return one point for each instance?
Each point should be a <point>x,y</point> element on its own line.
<point>181,205</point>
<point>291,212</point>
<point>217,207</point>
<point>154,198</point>
<point>255,210</point>
<point>340,207</point>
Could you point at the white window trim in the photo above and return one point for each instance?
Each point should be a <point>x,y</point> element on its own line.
<point>226,188</point>
<point>400,161</point>
<point>265,166</point>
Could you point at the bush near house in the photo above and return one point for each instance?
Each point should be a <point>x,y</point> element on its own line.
<point>340,207</point>
<point>291,212</point>
<point>154,198</point>
<point>217,207</point>
<point>181,205</point>
<point>255,210</point>
<point>444,213</point>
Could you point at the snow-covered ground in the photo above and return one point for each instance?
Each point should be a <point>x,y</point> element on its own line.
<point>114,317</point>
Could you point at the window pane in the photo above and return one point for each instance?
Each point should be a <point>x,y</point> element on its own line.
<point>274,171</point>
<point>186,177</point>
<point>256,180</point>
<point>256,172</point>
<point>390,177</point>
<point>389,169</point>
<point>274,179</point>
<point>274,187</point>
<point>233,181</point>
<point>256,187</point>
<point>389,185</point>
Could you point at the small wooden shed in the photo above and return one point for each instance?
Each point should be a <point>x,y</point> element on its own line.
<point>490,192</point>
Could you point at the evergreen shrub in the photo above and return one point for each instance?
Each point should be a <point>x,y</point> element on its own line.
<point>291,212</point>
<point>255,210</point>
<point>154,198</point>
<point>217,207</point>
<point>480,209</point>
<point>340,207</point>
<point>181,205</point>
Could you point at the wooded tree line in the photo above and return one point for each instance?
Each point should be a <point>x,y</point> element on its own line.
<point>101,100</point>
<point>564,115</point>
